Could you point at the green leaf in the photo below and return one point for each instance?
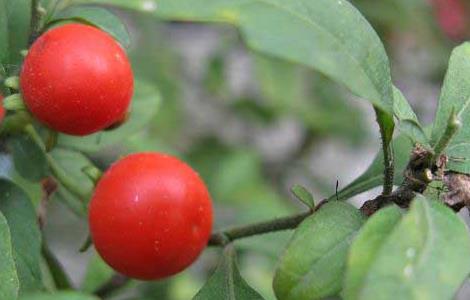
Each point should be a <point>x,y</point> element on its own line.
<point>366,247</point>
<point>303,31</point>
<point>19,19</point>
<point>97,273</point>
<point>226,282</point>
<point>426,255</point>
<point>314,262</point>
<point>455,95</point>
<point>303,195</point>
<point>409,123</point>
<point>8,276</point>
<point>30,160</point>
<point>25,235</point>
<point>64,295</point>
<point>144,107</point>
<point>98,17</point>
<point>60,279</point>
<point>72,163</point>
<point>373,176</point>
<point>3,35</point>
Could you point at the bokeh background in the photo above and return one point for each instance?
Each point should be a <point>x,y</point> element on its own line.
<point>253,126</point>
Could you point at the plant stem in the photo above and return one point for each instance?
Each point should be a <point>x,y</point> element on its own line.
<point>387,152</point>
<point>453,126</point>
<point>223,238</point>
<point>35,20</point>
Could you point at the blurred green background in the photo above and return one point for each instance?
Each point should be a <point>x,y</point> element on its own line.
<point>252,126</point>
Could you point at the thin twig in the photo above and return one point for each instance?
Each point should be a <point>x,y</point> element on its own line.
<point>224,237</point>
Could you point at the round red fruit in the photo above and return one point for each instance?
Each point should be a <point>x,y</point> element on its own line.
<point>150,216</point>
<point>77,79</point>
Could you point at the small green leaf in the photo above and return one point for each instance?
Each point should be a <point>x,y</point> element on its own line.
<point>96,16</point>
<point>226,282</point>
<point>303,195</point>
<point>365,247</point>
<point>373,176</point>
<point>64,295</point>
<point>144,107</point>
<point>97,273</point>
<point>8,277</point>
<point>409,123</point>
<point>455,95</point>
<point>25,235</point>
<point>30,160</point>
<point>425,255</point>
<point>314,262</point>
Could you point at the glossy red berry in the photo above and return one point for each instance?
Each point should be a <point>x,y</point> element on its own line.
<point>77,79</point>
<point>150,216</point>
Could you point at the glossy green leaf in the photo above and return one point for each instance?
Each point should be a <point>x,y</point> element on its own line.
<point>226,282</point>
<point>63,295</point>
<point>409,123</point>
<point>425,256</point>
<point>8,276</point>
<point>314,262</point>
<point>455,95</point>
<point>302,31</point>
<point>303,195</point>
<point>30,160</point>
<point>19,20</point>
<point>144,107</point>
<point>25,235</point>
<point>373,176</point>
<point>365,248</point>
<point>98,17</point>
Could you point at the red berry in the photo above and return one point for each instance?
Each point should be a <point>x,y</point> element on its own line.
<point>77,79</point>
<point>2,110</point>
<point>150,216</point>
<point>452,18</point>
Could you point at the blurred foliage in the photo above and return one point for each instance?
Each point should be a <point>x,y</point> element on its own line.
<point>241,182</point>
